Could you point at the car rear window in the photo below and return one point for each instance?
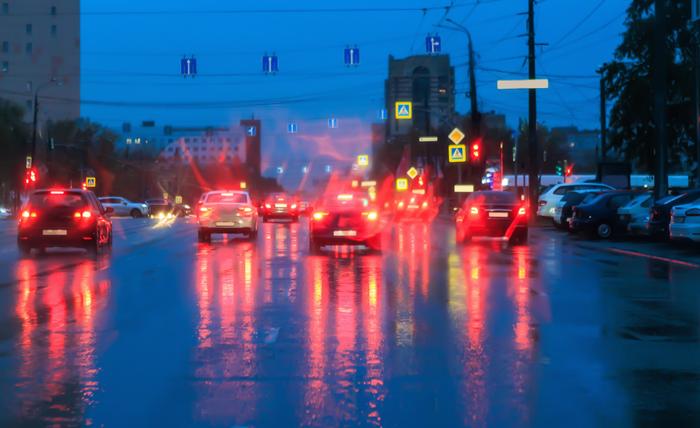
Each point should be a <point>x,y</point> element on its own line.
<point>227,198</point>
<point>345,201</point>
<point>56,199</point>
<point>494,197</point>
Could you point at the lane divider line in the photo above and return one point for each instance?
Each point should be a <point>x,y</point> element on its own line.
<point>652,257</point>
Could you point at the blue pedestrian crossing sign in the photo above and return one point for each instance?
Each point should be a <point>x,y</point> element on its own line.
<point>404,110</point>
<point>457,153</point>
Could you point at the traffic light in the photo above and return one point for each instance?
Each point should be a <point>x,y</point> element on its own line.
<point>475,151</point>
<point>569,170</point>
<point>30,177</point>
<point>559,169</point>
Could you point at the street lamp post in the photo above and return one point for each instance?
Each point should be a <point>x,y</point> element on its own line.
<point>36,111</point>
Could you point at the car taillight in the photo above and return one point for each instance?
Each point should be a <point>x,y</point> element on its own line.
<point>203,209</point>
<point>371,215</point>
<point>82,214</point>
<point>294,206</point>
<point>425,204</point>
<point>474,211</point>
<point>27,214</point>
<point>246,211</point>
<point>318,215</point>
<point>268,206</point>
<point>522,211</point>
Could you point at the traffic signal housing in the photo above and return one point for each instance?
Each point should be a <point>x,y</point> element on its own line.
<point>30,177</point>
<point>475,151</point>
<point>559,169</point>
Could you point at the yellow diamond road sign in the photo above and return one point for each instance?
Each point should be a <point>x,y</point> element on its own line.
<point>404,110</point>
<point>457,153</point>
<point>456,136</point>
<point>401,184</point>
<point>90,181</point>
<point>412,172</point>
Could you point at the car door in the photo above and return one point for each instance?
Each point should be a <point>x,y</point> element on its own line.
<point>123,205</point>
<point>615,202</point>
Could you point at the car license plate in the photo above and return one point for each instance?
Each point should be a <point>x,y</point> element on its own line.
<point>344,233</point>
<point>225,223</point>
<point>679,219</point>
<point>498,215</point>
<point>280,205</point>
<point>55,232</point>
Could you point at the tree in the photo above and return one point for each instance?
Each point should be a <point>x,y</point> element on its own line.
<point>629,78</point>
<point>14,135</point>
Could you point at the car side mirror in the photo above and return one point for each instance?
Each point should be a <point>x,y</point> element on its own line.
<point>109,210</point>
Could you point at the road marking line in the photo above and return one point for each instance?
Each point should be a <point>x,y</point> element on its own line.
<point>649,256</point>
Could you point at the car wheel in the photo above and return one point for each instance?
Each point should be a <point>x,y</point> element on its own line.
<point>314,247</point>
<point>135,213</point>
<point>604,231</point>
<point>24,249</point>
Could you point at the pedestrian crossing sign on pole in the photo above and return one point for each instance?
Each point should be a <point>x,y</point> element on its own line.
<point>363,160</point>
<point>90,181</point>
<point>401,184</point>
<point>457,153</point>
<point>404,110</point>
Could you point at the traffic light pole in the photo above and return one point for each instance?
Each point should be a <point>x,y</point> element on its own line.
<point>533,179</point>
<point>34,125</point>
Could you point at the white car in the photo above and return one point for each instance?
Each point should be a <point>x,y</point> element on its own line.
<point>226,211</point>
<point>548,200</point>
<point>685,222</point>
<point>5,212</point>
<point>635,215</point>
<point>124,207</point>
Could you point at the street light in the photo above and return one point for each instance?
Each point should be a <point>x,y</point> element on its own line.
<point>36,110</point>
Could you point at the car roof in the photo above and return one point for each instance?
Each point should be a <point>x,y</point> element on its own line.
<point>214,192</point>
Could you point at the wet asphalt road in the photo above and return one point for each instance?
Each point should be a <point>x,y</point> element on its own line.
<point>169,332</point>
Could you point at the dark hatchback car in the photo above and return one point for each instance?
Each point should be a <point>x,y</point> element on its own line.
<point>492,214</point>
<point>660,216</point>
<point>599,215</point>
<point>64,218</point>
<point>345,219</point>
<point>160,208</point>
<point>568,202</point>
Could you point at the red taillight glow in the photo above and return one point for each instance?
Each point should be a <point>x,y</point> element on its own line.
<point>57,192</point>
<point>522,211</point>
<point>268,206</point>
<point>474,211</point>
<point>26,214</point>
<point>371,215</point>
<point>318,215</point>
<point>203,209</point>
<point>82,214</point>
<point>294,206</point>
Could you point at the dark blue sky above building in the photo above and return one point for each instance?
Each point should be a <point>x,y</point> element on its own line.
<point>131,52</point>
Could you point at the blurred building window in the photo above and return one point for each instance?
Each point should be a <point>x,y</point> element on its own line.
<point>28,28</point>
<point>5,66</point>
<point>53,10</point>
<point>5,46</point>
<point>54,30</point>
<point>28,48</point>
<point>5,8</point>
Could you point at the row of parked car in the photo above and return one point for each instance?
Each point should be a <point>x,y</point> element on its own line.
<point>156,208</point>
<point>599,210</point>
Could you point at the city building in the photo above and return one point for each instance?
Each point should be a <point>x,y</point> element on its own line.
<point>428,82</point>
<point>203,146</point>
<point>40,55</point>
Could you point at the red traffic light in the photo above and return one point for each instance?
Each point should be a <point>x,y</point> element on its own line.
<point>30,176</point>
<point>569,171</point>
<point>475,150</point>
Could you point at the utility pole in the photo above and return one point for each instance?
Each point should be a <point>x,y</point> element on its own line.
<point>659,81</point>
<point>533,179</point>
<point>34,124</point>
<point>697,104</point>
<point>603,122</point>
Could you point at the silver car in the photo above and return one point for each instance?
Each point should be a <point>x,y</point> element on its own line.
<point>226,211</point>
<point>124,207</point>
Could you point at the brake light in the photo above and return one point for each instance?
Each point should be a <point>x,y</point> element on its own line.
<point>345,197</point>
<point>294,206</point>
<point>203,209</point>
<point>268,206</point>
<point>318,215</point>
<point>371,216</point>
<point>521,211</point>
<point>425,204</point>
<point>474,211</point>
<point>82,214</point>
<point>26,214</point>
<point>227,194</point>
<point>57,192</point>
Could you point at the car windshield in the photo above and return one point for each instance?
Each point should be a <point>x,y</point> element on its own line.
<point>56,199</point>
<point>227,198</point>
